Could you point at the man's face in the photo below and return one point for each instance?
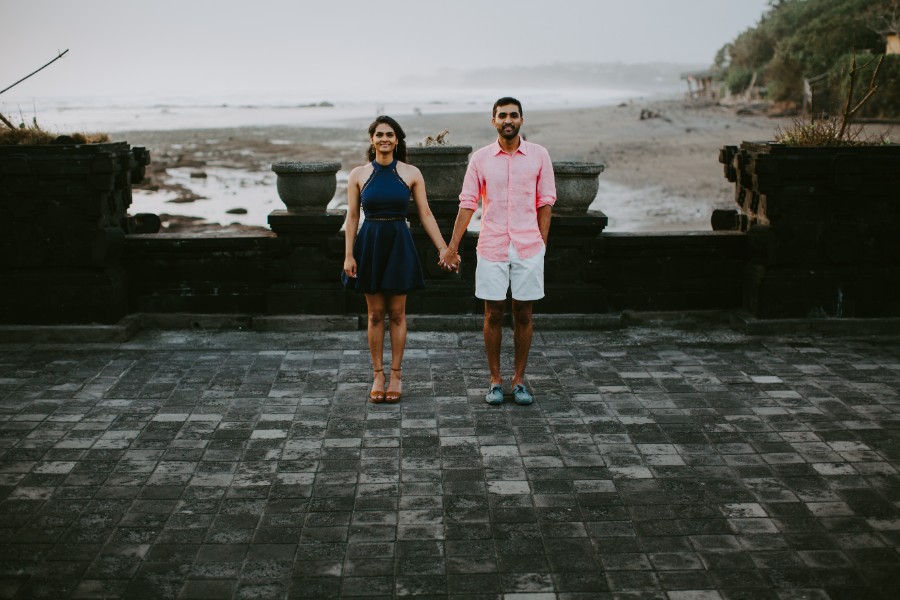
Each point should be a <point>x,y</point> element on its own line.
<point>508,120</point>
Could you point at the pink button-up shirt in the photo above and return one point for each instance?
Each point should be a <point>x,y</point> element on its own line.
<point>511,188</point>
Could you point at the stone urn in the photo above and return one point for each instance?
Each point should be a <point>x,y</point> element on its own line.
<point>577,184</point>
<point>306,187</point>
<point>443,167</point>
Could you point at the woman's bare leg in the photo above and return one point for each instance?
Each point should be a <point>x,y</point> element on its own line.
<point>375,331</point>
<point>396,306</point>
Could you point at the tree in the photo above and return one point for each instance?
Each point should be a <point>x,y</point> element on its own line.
<point>885,20</point>
<point>801,39</point>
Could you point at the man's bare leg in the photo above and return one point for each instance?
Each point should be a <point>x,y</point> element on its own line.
<point>522,333</point>
<point>493,336</point>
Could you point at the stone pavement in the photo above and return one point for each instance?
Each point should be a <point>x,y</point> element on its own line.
<point>659,461</point>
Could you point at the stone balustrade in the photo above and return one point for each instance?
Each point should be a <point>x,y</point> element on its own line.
<point>797,246</point>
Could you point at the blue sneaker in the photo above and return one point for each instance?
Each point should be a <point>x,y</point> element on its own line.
<point>522,396</point>
<point>494,395</point>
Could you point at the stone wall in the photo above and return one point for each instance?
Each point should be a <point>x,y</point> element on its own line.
<point>171,273</point>
<point>669,271</point>
<point>62,230</point>
<point>265,274</point>
<point>804,244</point>
<point>822,228</point>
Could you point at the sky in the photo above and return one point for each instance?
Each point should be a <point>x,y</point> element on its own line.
<point>189,48</point>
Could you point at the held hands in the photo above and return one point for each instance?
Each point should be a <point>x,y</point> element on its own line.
<point>449,259</point>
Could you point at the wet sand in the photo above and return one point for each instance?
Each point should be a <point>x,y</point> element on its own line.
<point>662,173</point>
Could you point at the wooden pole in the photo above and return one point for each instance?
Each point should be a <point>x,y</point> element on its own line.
<point>61,54</point>
<point>6,122</point>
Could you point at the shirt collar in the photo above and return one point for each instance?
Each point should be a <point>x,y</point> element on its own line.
<point>522,143</point>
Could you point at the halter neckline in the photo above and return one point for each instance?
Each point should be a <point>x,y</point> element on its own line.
<point>380,166</point>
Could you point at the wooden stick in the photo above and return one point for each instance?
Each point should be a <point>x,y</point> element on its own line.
<point>872,87</point>
<point>61,54</point>
<point>6,122</point>
<point>846,116</point>
<point>849,112</point>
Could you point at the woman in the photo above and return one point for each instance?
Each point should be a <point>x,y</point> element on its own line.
<point>381,260</point>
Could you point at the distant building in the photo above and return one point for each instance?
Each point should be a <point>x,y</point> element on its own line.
<point>700,84</point>
<point>892,41</point>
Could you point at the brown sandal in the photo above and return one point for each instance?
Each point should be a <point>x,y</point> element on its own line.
<point>376,396</point>
<point>393,397</point>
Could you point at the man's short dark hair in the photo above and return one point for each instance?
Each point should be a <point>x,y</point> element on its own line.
<point>507,100</point>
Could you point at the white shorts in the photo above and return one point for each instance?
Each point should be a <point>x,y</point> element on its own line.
<point>525,276</point>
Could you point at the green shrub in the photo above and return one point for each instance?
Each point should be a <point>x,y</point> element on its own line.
<point>831,96</point>
<point>738,80</point>
<point>825,131</point>
<point>885,102</point>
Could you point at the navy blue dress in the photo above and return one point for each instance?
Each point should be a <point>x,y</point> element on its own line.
<point>386,258</point>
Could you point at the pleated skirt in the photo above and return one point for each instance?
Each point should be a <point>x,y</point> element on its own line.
<point>386,259</point>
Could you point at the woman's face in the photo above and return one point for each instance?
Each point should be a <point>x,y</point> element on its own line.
<point>384,139</point>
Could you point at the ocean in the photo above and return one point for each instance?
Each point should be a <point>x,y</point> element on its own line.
<point>113,114</point>
<point>224,190</point>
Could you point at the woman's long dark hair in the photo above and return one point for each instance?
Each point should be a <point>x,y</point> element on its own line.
<point>400,149</point>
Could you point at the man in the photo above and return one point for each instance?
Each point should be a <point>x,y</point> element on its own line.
<point>513,179</point>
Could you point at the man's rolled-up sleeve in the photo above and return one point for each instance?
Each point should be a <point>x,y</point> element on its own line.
<point>471,188</point>
<point>546,183</point>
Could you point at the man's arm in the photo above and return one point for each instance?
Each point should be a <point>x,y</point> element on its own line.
<point>468,202</point>
<point>450,255</point>
<point>543,218</point>
<point>546,194</point>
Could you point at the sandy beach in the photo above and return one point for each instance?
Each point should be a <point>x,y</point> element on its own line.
<point>662,173</point>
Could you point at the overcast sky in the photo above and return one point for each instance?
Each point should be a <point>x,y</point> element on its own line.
<point>203,47</point>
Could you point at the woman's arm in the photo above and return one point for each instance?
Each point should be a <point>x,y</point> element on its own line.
<point>351,224</point>
<point>450,256</point>
<point>425,215</point>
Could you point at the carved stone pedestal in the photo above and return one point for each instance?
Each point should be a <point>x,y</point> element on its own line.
<point>307,280</point>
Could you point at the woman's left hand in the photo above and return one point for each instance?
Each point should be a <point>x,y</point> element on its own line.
<point>350,266</point>
<point>449,260</point>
